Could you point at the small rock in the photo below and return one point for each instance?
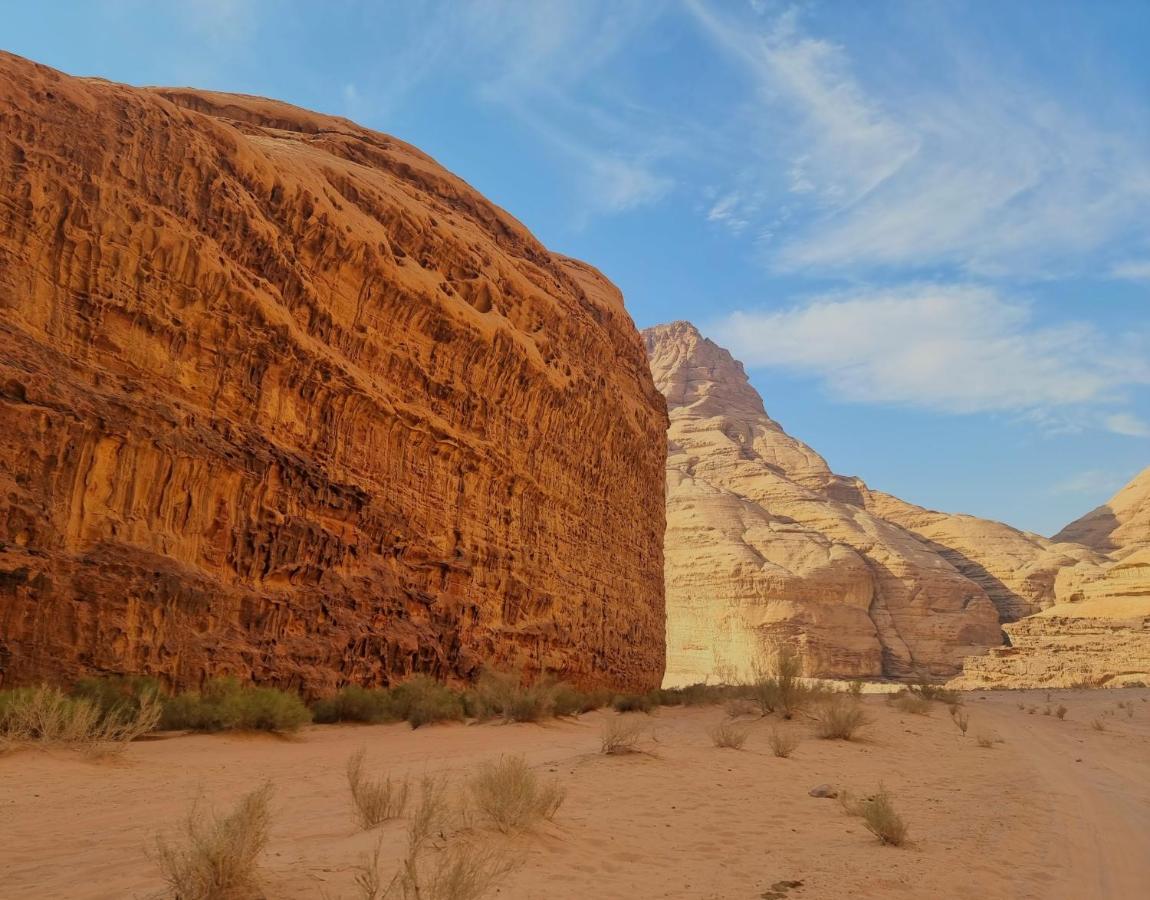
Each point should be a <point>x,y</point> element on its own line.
<point>823,790</point>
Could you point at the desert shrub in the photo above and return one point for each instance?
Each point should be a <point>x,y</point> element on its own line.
<point>423,700</point>
<point>730,735</point>
<point>913,704</point>
<point>226,704</point>
<point>356,704</point>
<point>878,815</point>
<point>375,799</point>
<point>118,695</point>
<point>1061,711</point>
<point>620,736</point>
<point>1046,710</point>
<point>569,701</point>
<point>839,719</point>
<point>937,692</point>
<point>781,688</point>
<point>635,703</point>
<point>881,820</point>
<point>985,741</point>
<point>47,715</point>
<point>962,721</point>
<point>506,695</point>
<point>782,744</point>
<point>1098,725</point>
<point>217,859</point>
<point>741,707</point>
<point>445,868</point>
<point>510,796</point>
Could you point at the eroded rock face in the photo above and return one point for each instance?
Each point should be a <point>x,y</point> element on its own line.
<point>280,397</point>
<point>765,545</point>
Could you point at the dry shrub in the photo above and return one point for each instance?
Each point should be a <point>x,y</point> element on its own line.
<point>936,692</point>
<point>962,721</point>
<point>375,800</point>
<point>510,796</point>
<point>438,865</point>
<point>620,737</point>
<point>782,744</point>
<point>985,741</point>
<point>728,734</point>
<point>218,858</point>
<point>878,815</point>
<point>1061,712</point>
<point>635,702</point>
<point>742,707</point>
<point>913,704</point>
<point>839,719</point>
<point>1098,725</point>
<point>781,687</point>
<point>49,716</point>
<point>884,822</point>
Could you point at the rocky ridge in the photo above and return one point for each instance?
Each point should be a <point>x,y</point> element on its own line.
<point>766,545</point>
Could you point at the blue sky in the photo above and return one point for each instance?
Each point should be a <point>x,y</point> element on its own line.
<point>924,226</point>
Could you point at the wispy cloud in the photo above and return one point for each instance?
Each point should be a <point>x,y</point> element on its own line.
<point>1127,424</point>
<point>948,348</point>
<point>1132,270</point>
<point>541,64</point>
<point>1092,481</point>
<point>984,174</point>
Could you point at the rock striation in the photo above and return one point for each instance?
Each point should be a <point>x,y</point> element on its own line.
<point>765,545</point>
<point>282,398</point>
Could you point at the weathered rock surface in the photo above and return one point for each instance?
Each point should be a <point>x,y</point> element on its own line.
<point>1102,643</point>
<point>280,397</point>
<point>766,545</point>
<point>1018,570</point>
<point>1099,630</point>
<point>1121,525</point>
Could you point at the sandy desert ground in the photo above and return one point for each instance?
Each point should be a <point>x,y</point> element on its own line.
<point>1057,810</point>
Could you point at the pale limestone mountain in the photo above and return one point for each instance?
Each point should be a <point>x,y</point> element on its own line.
<point>766,545</point>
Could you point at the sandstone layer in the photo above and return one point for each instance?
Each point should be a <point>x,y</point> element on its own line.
<point>280,397</point>
<point>766,546</point>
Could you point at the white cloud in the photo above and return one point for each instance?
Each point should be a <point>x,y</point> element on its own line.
<point>976,172</point>
<point>945,347</point>
<point>1127,424</point>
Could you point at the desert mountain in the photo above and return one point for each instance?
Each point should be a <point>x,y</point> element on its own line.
<point>765,544</point>
<point>1119,526</point>
<point>280,397</point>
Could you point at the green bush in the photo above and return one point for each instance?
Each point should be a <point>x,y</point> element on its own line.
<point>117,695</point>
<point>423,700</point>
<point>356,704</point>
<point>635,702</point>
<point>225,704</point>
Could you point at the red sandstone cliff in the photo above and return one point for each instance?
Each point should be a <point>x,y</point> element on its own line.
<point>281,397</point>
